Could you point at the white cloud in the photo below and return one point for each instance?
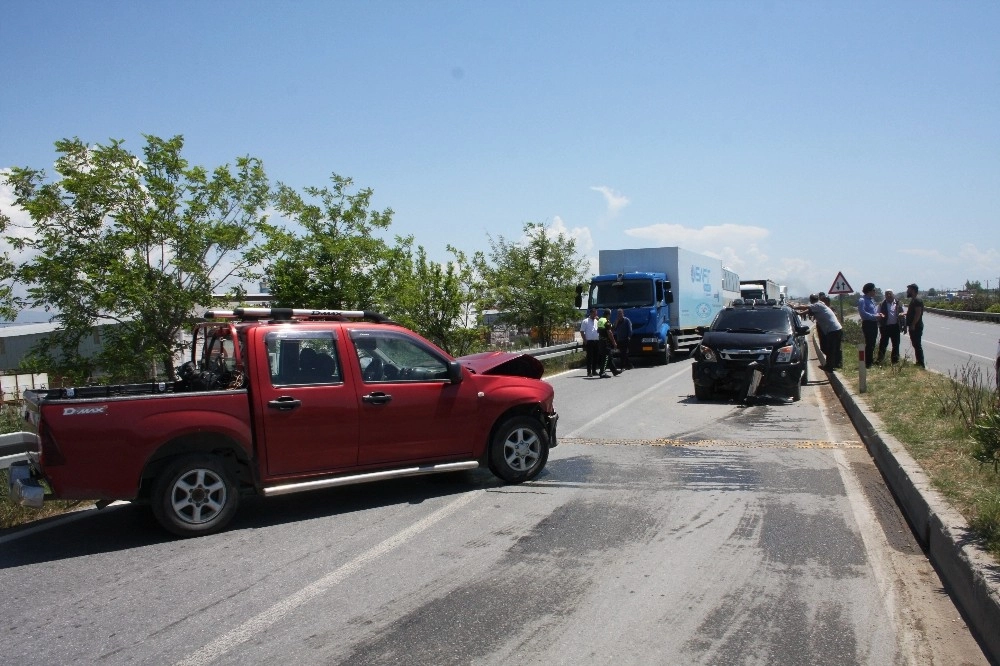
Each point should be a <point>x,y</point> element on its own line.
<point>614,200</point>
<point>584,240</point>
<point>705,240</point>
<point>20,222</point>
<point>975,258</point>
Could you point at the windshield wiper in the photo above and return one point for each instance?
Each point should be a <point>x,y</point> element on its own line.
<point>745,330</point>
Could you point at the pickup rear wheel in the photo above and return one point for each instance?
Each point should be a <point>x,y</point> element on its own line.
<point>195,495</point>
<point>519,449</point>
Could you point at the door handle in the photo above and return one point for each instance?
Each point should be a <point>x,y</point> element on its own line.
<point>284,403</point>
<point>376,398</point>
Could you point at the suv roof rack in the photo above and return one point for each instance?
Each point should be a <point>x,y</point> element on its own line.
<point>295,314</point>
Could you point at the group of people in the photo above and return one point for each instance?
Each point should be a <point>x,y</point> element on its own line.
<point>887,320</point>
<point>883,323</point>
<point>603,340</point>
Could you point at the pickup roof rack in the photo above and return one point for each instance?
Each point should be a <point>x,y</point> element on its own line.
<point>296,314</point>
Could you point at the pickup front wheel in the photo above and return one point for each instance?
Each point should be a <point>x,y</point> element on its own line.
<point>195,495</point>
<point>519,449</point>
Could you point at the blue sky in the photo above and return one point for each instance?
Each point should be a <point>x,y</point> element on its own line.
<point>791,139</point>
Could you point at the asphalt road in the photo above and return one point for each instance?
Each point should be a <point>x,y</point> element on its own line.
<point>951,344</point>
<point>663,531</point>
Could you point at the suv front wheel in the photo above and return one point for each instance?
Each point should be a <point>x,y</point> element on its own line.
<point>519,449</point>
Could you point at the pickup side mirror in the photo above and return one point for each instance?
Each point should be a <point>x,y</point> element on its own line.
<point>700,330</point>
<point>802,330</point>
<point>455,372</point>
<point>579,296</point>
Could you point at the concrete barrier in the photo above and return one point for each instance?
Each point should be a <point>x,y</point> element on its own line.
<point>962,314</point>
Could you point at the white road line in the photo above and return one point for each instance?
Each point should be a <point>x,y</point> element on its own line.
<point>875,543</point>
<point>262,621</point>
<point>960,351</point>
<point>614,410</point>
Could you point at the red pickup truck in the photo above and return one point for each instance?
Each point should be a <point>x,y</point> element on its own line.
<point>278,401</point>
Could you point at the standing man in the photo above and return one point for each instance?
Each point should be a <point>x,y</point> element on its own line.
<point>607,357</point>
<point>623,333</point>
<point>891,311</point>
<point>915,322</point>
<point>591,342</point>
<point>831,333</point>
<point>869,321</point>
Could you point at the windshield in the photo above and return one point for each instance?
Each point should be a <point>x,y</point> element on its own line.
<point>625,294</point>
<point>753,321</point>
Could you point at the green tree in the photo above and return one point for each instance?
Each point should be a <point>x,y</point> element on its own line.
<point>439,301</point>
<point>335,259</point>
<point>532,281</point>
<point>136,242</point>
<point>974,286</point>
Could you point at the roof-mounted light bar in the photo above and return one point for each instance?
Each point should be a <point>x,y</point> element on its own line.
<point>294,314</point>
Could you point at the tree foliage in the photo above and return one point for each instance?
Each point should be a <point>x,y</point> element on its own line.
<point>532,281</point>
<point>137,242</point>
<point>333,257</point>
<point>439,301</point>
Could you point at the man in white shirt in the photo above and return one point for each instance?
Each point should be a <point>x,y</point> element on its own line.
<point>591,342</point>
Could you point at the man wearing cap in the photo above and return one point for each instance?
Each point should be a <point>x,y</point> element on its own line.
<point>915,322</point>
<point>869,321</point>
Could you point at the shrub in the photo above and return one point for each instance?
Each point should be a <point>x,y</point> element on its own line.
<point>986,435</point>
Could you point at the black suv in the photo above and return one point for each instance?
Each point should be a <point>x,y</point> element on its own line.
<point>749,337</point>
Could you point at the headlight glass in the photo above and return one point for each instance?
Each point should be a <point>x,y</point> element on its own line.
<point>708,354</point>
<point>785,354</point>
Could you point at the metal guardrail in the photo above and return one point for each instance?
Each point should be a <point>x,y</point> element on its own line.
<point>14,447</point>
<point>964,314</point>
<point>553,351</point>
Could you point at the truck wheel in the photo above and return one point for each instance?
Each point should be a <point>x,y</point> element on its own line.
<point>195,495</point>
<point>519,449</point>
<point>804,379</point>
<point>703,392</point>
<point>669,351</point>
<point>797,393</point>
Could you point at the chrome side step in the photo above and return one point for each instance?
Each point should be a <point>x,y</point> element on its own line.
<point>289,488</point>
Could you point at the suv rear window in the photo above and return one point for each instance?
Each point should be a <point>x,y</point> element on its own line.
<point>753,321</point>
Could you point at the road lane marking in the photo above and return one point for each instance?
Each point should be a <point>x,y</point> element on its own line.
<point>262,621</point>
<point>960,351</point>
<point>614,410</point>
<point>717,443</point>
<point>875,543</point>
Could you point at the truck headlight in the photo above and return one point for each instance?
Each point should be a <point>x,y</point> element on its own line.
<point>707,354</point>
<point>785,354</point>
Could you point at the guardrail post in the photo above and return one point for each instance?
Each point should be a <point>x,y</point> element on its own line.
<point>862,370</point>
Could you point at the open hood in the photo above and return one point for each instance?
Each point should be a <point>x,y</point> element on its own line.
<point>503,363</point>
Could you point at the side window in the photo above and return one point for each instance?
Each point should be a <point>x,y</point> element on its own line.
<point>302,358</point>
<point>386,356</point>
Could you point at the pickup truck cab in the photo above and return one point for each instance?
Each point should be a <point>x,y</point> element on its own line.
<point>278,401</point>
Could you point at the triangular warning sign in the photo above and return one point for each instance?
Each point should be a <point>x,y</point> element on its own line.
<point>840,285</point>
